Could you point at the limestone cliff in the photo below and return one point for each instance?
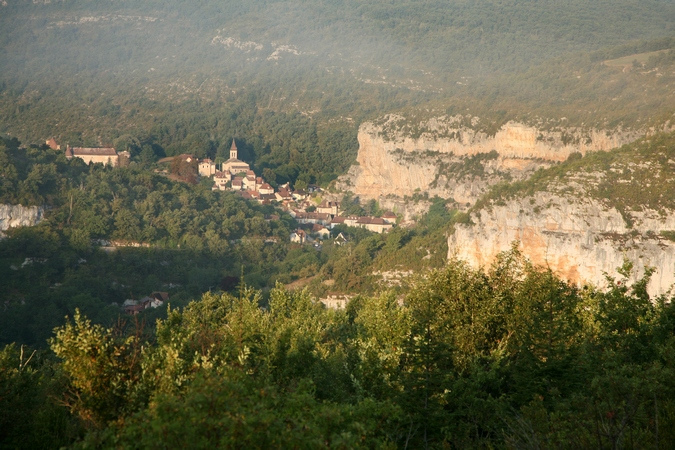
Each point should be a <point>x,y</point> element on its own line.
<point>585,217</point>
<point>19,216</point>
<point>579,239</point>
<point>447,157</point>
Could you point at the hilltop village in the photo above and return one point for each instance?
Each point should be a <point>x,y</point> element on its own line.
<point>316,220</point>
<point>316,216</point>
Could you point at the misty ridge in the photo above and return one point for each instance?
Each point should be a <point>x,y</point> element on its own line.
<point>416,51</point>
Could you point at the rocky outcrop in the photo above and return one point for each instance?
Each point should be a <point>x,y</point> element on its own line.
<point>409,211</point>
<point>446,158</point>
<point>19,216</point>
<point>577,237</point>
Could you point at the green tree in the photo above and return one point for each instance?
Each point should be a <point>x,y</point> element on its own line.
<point>103,371</point>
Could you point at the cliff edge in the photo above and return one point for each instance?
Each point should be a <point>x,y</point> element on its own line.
<point>448,157</point>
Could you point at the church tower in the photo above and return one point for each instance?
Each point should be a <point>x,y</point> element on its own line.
<point>233,150</point>
<point>234,165</point>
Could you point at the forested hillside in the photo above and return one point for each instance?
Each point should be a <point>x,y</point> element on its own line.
<point>169,236</point>
<point>293,80</point>
<point>191,239</point>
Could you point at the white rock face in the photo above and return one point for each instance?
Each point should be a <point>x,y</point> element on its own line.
<point>19,216</point>
<point>578,238</point>
<point>391,163</point>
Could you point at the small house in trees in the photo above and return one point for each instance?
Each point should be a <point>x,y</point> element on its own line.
<point>340,239</point>
<point>237,184</point>
<point>321,231</point>
<point>221,178</point>
<point>298,236</point>
<point>133,307</point>
<point>389,217</point>
<point>283,194</point>
<point>158,299</point>
<point>266,189</point>
<point>249,181</point>
<point>336,301</point>
<point>259,182</point>
<point>51,143</point>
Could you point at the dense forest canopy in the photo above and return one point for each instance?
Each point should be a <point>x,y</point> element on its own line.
<point>458,36</point>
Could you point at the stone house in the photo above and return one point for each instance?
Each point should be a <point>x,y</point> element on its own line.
<point>375,224</point>
<point>237,184</point>
<point>207,168</point>
<point>389,217</point>
<point>321,231</point>
<point>328,207</point>
<point>265,188</point>
<point>221,179</point>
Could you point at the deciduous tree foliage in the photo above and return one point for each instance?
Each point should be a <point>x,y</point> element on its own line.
<point>510,356</point>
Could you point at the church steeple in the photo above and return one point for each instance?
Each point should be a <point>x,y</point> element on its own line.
<point>233,151</point>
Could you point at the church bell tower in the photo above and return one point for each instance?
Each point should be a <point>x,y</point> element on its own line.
<point>233,151</point>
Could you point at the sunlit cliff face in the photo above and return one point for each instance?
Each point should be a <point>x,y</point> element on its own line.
<point>578,238</point>
<point>396,164</point>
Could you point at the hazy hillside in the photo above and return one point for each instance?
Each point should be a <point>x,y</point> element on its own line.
<point>187,76</point>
